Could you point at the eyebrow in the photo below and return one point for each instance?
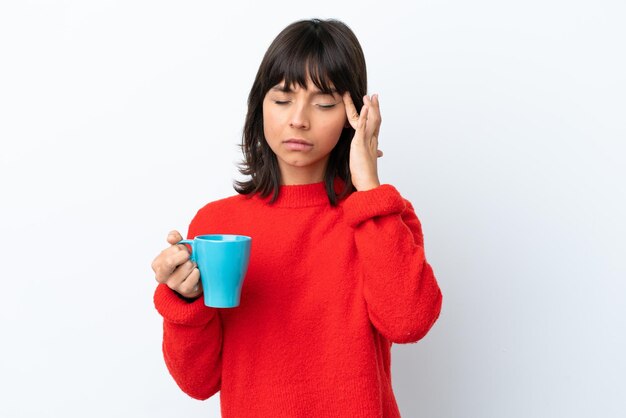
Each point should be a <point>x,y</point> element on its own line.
<point>287,89</point>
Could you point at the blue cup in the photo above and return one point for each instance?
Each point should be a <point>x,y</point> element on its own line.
<point>223,262</point>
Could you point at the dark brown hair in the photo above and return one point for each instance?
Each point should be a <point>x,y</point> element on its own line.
<point>328,52</point>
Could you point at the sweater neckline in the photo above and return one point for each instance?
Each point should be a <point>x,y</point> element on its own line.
<point>303,195</point>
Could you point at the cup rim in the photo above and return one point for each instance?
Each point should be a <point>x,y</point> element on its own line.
<point>237,238</point>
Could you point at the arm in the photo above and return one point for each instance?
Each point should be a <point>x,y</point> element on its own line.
<point>192,342</point>
<point>399,287</point>
<point>192,332</point>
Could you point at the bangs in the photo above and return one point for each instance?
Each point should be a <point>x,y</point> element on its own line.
<point>308,56</point>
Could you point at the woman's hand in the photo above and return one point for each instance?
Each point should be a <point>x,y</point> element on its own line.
<point>174,268</point>
<point>364,150</point>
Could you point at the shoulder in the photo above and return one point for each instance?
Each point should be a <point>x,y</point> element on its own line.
<point>216,214</point>
<point>223,205</point>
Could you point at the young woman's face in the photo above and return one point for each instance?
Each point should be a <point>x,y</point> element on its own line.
<point>302,126</point>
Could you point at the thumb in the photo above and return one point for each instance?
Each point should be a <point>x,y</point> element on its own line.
<point>173,237</point>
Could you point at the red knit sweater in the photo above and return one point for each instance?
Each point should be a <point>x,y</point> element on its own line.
<point>328,290</point>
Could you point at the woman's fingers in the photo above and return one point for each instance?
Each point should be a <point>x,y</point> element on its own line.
<point>173,237</point>
<point>170,259</point>
<point>351,112</point>
<point>375,117</point>
<point>174,268</point>
<point>371,121</point>
<point>191,286</point>
<point>364,148</point>
<point>180,275</point>
<point>362,121</point>
<point>367,123</point>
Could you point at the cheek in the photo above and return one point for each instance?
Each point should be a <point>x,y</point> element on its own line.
<point>269,123</point>
<point>334,127</point>
<point>273,120</point>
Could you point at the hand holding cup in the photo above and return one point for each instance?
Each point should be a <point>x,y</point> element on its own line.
<point>173,267</point>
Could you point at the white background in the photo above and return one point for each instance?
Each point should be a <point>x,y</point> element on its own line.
<point>503,124</point>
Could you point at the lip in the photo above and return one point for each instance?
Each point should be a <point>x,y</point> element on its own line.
<point>297,144</point>
<point>297,141</point>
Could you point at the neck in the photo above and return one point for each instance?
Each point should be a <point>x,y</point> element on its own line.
<point>299,175</point>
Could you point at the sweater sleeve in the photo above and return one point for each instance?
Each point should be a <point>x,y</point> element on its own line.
<point>192,339</point>
<point>399,287</point>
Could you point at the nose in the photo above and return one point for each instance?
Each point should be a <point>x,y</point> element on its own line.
<point>299,118</point>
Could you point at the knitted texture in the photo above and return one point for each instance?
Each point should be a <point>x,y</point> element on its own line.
<point>328,290</point>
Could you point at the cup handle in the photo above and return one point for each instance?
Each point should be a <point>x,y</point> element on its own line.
<point>190,243</point>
